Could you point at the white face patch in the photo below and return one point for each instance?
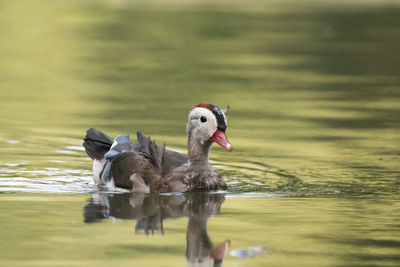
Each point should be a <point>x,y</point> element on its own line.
<point>202,129</point>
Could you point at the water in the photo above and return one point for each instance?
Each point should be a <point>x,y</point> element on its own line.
<point>314,92</point>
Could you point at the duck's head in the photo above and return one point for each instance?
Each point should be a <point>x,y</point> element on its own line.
<point>207,123</point>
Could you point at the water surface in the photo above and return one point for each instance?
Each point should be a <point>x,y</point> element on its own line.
<point>314,93</point>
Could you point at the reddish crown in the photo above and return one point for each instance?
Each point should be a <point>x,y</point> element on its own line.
<point>203,105</point>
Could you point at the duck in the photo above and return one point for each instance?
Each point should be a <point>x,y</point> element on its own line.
<point>146,167</point>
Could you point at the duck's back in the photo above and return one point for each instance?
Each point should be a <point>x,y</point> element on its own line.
<point>171,161</point>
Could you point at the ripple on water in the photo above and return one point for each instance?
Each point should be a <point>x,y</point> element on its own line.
<point>48,180</point>
<point>244,179</point>
<point>65,152</point>
<point>255,182</point>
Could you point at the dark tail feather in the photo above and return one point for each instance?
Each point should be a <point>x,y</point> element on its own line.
<point>96,143</point>
<point>141,139</point>
<point>149,146</point>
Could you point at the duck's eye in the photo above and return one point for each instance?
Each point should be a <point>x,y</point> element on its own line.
<point>203,119</point>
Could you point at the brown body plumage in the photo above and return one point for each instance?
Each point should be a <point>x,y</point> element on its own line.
<point>149,168</point>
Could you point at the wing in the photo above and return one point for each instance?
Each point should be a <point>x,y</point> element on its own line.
<point>148,146</point>
<point>124,165</point>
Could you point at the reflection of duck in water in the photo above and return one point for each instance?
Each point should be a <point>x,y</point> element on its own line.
<point>151,210</point>
<point>146,167</point>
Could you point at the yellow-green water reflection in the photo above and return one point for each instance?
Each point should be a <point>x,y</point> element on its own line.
<point>314,93</point>
<point>49,230</point>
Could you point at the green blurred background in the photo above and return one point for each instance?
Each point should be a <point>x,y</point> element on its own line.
<point>314,91</point>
